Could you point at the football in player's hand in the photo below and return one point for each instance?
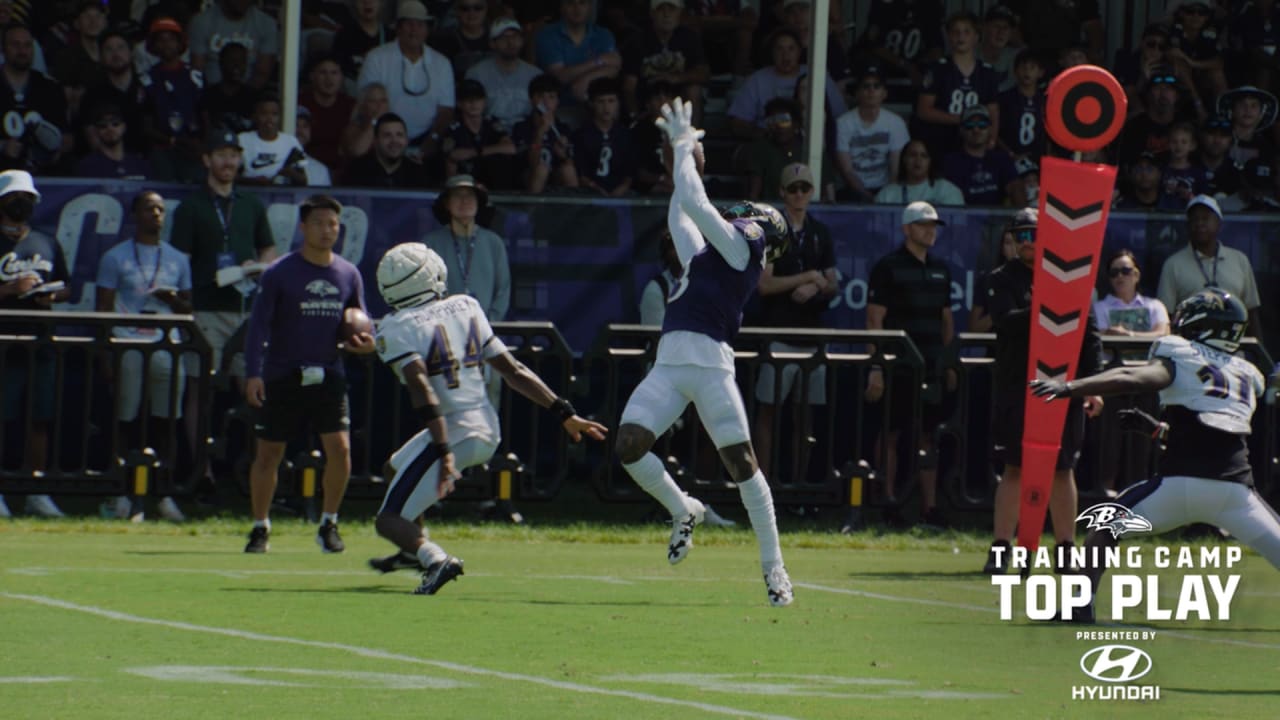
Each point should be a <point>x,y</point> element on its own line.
<point>354,322</point>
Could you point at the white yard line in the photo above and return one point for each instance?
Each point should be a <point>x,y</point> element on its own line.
<point>385,655</point>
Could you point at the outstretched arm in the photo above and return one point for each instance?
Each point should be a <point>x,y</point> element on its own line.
<point>1155,375</point>
<point>527,383</point>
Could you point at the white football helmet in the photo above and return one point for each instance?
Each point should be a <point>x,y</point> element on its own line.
<point>411,274</point>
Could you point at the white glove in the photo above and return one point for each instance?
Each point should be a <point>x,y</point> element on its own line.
<point>677,122</point>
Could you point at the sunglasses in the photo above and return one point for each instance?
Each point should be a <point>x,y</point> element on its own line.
<point>1116,272</point>
<point>1025,235</point>
<point>976,125</point>
<point>1164,80</point>
<point>804,188</point>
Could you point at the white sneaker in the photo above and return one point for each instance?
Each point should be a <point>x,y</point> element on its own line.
<point>682,531</point>
<point>43,506</point>
<point>169,510</point>
<point>779,586</point>
<point>714,519</point>
<point>4,509</point>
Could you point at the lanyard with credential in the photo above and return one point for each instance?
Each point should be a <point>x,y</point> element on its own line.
<point>464,261</point>
<point>1200,264</point>
<point>155,273</point>
<point>225,219</point>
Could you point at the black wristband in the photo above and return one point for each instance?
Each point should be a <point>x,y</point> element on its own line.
<point>563,408</point>
<point>441,447</point>
<point>427,413</point>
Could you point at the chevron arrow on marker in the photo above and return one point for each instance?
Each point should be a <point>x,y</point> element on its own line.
<point>1067,270</point>
<point>1072,218</point>
<point>1045,372</point>
<point>1059,324</point>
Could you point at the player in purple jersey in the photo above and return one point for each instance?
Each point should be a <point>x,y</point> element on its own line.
<point>723,254</point>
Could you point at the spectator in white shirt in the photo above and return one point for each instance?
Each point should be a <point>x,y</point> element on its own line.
<point>869,140</point>
<point>504,75</point>
<point>271,157</point>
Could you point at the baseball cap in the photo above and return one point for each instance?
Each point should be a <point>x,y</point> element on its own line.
<point>502,25</point>
<point>12,181</point>
<point>1002,12</point>
<point>655,4</point>
<point>164,24</point>
<point>1027,217</point>
<point>797,173</point>
<point>1026,166</point>
<point>221,138</point>
<point>412,10</point>
<point>975,112</point>
<point>304,112</point>
<point>470,89</point>
<point>1206,201</point>
<point>920,211</point>
<point>1220,123</point>
<point>870,70</point>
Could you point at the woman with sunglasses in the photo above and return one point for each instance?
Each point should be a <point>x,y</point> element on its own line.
<point>916,181</point>
<point>1125,311</point>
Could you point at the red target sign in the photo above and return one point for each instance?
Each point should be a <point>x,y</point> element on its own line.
<point>1086,108</point>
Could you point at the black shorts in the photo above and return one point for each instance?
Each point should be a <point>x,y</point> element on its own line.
<point>290,408</point>
<point>1006,435</point>
<point>936,405</point>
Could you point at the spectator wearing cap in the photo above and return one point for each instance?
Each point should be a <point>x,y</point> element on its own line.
<point>33,276</point>
<point>249,26</point>
<point>317,174</point>
<point>386,165</point>
<point>35,140</point>
<point>1142,186</point>
<point>1252,110</point>
<point>1009,304</point>
<point>576,51</point>
<point>543,142</point>
<point>419,81</point>
<point>954,83</point>
<point>918,181</point>
<point>229,103</point>
<point>781,145</point>
<point>985,175</point>
<point>869,139</point>
<point>221,226</point>
<point>1148,131</point>
<point>1256,192</point>
<point>173,94</point>
<point>910,290</point>
<point>110,159</point>
<point>794,292</point>
<point>666,51</point>
<point>330,108</point>
<point>1029,177</point>
<point>465,42</point>
<point>271,156</point>
<point>475,256</point>
<point>748,113</point>
<point>602,149</point>
<point>1254,36</point>
<point>79,65</point>
<point>355,40</point>
<point>1206,262</point>
<point>997,30</point>
<point>1195,47</point>
<point>1022,134</point>
<point>120,86</point>
<point>475,145</point>
<point>1135,70</point>
<point>1221,176</point>
<point>504,75</point>
<point>1181,177</point>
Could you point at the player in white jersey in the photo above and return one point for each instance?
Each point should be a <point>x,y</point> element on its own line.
<point>1208,396</point>
<point>723,254</point>
<point>435,345</point>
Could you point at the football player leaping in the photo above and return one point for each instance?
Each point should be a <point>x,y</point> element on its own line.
<point>723,254</point>
<point>1208,395</point>
<point>435,344</point>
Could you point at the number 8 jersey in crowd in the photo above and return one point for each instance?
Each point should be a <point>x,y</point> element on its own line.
<point>453,338</point>
<point>1209,408</point>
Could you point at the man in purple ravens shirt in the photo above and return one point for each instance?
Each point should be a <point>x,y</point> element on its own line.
<point>293,365</point>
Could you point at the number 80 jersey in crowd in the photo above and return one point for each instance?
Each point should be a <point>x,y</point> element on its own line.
<point>1220,389</point>
<point>453,338</point>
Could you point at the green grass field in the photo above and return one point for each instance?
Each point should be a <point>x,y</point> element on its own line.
<point>110,620</point>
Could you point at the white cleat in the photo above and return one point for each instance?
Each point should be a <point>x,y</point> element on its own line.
<point>169,510</point>
<point>779,586</point>
<point>43,506</point>
<point>682,531</point>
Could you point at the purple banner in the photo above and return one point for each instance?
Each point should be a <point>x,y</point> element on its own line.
<point>582,262</point>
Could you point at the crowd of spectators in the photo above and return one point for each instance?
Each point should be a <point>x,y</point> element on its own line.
<point>559,95</point>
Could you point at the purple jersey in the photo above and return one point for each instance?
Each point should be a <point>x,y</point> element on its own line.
<point>296,315</point>
<point>982,179</point>
<point>907,28</point>
<point>709,297</point>
<point>173,98</point>
<point>604,157</point>
<point>1022,122</point>
<point>953,91</point>
<point>1179,185</point>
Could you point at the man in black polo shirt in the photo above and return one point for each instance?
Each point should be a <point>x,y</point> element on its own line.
<point>910,290</point>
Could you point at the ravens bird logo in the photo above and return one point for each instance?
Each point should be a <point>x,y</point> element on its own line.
<point>1114,517</point>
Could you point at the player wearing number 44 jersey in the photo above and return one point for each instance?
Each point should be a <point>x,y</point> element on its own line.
<point>1208,395</point>
<point>435,345</point>
<point>723,254</point>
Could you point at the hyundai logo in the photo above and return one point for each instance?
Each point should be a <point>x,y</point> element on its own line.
<point>1115,663</point>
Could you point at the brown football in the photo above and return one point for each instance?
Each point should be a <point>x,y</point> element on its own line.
<point>354,322</point>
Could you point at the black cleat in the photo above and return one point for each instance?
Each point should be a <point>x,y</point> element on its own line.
<point>259,540</point>
<point>997,565</point>
<point>439,573</point>
<point>328,539</point>
<point>1079,616</point>
<point>394,562</point>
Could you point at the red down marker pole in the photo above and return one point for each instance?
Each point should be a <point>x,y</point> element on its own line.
<point>1085,110</point>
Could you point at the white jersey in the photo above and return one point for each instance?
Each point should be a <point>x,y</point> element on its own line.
<point>453,338</point>
<point>1221,389</point>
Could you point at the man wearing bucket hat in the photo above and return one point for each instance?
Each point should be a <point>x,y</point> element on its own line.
<point>1251,110</point>
<point>476,257</point>
<point>33,276</point>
